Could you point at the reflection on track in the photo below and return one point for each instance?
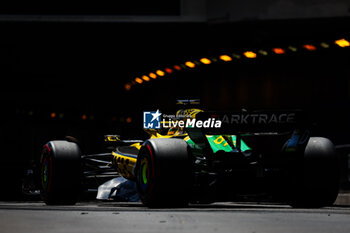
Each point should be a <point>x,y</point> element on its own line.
<point>138,207</point>
<point>106,217</point>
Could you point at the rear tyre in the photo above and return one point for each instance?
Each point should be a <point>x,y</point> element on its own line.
<point>60,173</point>
<point>316,183</point>
<point>163,173</point>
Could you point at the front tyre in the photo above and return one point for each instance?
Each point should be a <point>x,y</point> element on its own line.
<point>316,184</point>
<point>164,173</point>
<point>60,173</point>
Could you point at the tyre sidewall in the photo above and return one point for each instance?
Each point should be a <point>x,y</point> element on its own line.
<point>63,174</point>
<point>316,179</point>
<point>169,169</point>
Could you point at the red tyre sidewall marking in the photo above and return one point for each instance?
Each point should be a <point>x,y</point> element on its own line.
<point>48,151</point>
<point>153,170</point>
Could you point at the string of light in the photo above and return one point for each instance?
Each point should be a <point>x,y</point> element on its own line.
<point>249,54</point>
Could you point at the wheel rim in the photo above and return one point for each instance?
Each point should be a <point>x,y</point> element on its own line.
<point>45,171</point>
<point>144,173</point>
<point>144,178</point>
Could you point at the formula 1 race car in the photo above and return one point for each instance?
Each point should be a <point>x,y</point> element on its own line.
<point>249,153</point>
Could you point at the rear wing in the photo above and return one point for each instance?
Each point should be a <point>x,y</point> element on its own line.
<point>245,122</point>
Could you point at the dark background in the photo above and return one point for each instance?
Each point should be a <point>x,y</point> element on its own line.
<point>80,68</point>
<point>79,7</point>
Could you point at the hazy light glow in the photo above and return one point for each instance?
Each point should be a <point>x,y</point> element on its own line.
<point>168,70</point>
<point>263,52</point>
<point>176,67</point>
<point>292,48</point>
<point>190,64</point>
<point>205,61</point>
<point>160,73</point>
<point>152,75</point>
<point>127,87</point>
<point>310,47</point>
<point>249,54</point>
<point>225,58</point>
<point>342,43</point>
<point>146,78</point>
<point>236,55</point>
<point>324,45</point>
<point>138,80</point>
<point>278,50</point>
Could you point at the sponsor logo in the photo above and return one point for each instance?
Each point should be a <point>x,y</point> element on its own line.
<point>193,123</point>
<point>259,118</point>
<point>151,120</point>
